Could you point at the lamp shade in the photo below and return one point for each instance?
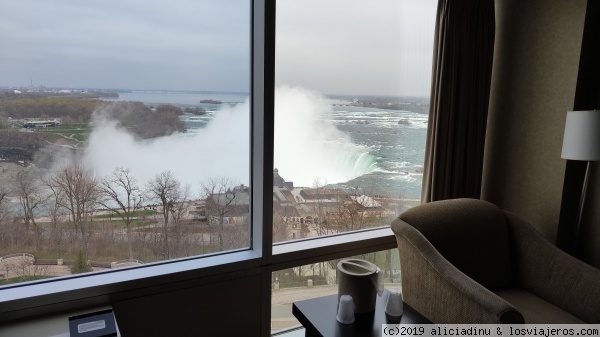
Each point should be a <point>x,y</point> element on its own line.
<point>582,136</point>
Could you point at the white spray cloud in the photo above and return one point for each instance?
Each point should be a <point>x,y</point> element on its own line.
<point>220,149</point>
<point>307,147</point>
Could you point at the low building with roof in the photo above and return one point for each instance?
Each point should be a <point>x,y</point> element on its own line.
<point>231,207</point>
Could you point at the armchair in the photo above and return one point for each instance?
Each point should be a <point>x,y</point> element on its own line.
<point>467,261</point>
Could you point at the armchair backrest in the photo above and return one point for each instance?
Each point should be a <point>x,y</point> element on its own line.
<point>471,234</point>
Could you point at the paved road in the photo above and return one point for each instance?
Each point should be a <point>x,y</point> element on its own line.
<point>282,299</point>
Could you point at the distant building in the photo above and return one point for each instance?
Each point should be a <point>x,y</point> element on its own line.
<point>324,195</point>
<point>231,207</point>
<point>198,210</point>
<point>40,124</point>
<point>366,201</point>
<point>300,212</point>
<point>280,182</point>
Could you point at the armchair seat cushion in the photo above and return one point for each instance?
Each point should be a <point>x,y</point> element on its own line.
<point>534,309</point>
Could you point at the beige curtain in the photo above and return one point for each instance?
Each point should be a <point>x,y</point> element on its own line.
<point>462,67</point>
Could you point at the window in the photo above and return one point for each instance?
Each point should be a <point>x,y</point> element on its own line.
<point>125,134</point>
<point>220,210</point>
<point>351,108</point>
<point>320,279</point>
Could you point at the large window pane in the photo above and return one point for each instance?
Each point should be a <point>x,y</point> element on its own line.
<point>320,279</point>
<point>351,105</point>
<point>124,133</point>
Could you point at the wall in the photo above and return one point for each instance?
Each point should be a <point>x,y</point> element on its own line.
<point>224,308</point>
<point>226,305</point>
<point>536,63</point>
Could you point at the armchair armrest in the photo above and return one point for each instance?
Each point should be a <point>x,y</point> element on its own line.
<point>439,291</point>
<point>552,274</point>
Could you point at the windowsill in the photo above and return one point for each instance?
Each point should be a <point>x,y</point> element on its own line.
<point>326,247</point>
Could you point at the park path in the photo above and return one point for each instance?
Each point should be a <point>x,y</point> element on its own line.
<point>282,299</point>
<point>19,266</point>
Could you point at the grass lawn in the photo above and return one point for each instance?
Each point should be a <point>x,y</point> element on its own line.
<point>115,216</point>
<point>72,128</point>
<point>78,132</point>
<point>118,223</point>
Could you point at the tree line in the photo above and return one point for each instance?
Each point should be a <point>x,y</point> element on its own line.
<point>73,212</point>
<point>60,209</point>
<point>140,119</point>
<point>17,107</point>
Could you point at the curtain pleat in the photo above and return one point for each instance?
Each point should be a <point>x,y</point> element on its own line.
<point>460,89</point>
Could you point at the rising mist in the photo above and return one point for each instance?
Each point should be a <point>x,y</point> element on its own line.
<point>307,147</point>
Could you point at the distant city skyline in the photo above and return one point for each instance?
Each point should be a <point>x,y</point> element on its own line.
<point>346,47</point>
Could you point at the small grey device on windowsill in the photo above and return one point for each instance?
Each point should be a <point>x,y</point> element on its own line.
<point>95,324</point>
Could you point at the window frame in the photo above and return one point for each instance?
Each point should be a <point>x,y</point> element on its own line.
<point>72,293</point>
<point>75,292</point>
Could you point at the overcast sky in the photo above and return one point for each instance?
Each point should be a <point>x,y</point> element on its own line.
<point>330,46</point>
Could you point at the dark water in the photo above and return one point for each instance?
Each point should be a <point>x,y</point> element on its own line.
<point>397,141</point>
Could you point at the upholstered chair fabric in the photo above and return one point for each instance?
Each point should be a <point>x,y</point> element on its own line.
<point>473,237</point>
<point>552,274</point>
<point>467,261</point>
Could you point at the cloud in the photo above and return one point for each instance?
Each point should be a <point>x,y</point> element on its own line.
<point>184,44</point>
<point>332,46</point>
<point>356,47</point>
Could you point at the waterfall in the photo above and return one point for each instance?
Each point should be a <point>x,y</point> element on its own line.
<point>308,147</point>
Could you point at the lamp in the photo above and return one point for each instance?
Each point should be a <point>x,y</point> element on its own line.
<point>582,136</point>
<point>582,142</point>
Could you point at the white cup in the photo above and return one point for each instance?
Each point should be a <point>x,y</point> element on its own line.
<point>394,305</point>
<point>345,313</point>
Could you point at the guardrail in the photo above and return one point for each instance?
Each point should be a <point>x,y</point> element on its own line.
<point>21,255</point>
<point>125,263</point>
<point>50,262</point>
<point>106,265</point>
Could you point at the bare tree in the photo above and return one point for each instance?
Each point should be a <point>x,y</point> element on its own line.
<point>363,210</point>
<point>32,197</point>
<point>281,222</point>
<point>320,223</point>
<point>220,194</point>
<point>178,212</point>
<point>167,190</point>
<point>351,215</point>
<point>55,214</point>
<point>3,194</point>
<point>77,186</point>
<point>25,269</point>
<point>120,193</point>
